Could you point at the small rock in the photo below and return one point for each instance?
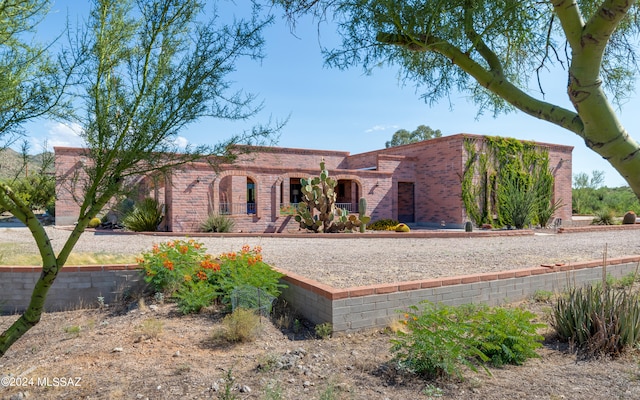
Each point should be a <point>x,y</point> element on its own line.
<point>245,389</point>
<point>215,387</point>
<point>159,387</point>
<point>117,350</point>
<point>307,384</point>
<point>176,354</point>
<point>291,380</point>
<point>153,307</point>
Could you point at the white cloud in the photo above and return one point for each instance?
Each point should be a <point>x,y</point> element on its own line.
<point>378,128</point>
<point>181,142</point>
<point>64,135</point>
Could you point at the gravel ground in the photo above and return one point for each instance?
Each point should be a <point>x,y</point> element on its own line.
<point>348,262</point>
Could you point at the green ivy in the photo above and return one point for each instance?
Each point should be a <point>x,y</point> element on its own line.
<point>500,173</point>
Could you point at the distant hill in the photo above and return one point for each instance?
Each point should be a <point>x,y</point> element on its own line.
<point>11,163</point>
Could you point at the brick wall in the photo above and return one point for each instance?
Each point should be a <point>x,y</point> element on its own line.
<point>435,166</point>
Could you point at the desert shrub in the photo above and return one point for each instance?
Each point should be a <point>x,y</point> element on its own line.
<point>152,327</point>
<point>383,225</point>
<point>183,271</point>
<point>242,325</point>
<point>402,228</point>
<point>192,296</point>
<point>518,202</point>
<point>604,217</point>
<point>145,217</point>
<point>440,340</point>
<point>544,212</point>
<point>629,218</point>
<point>598,320</point>
<point>167,264</point>
<point>217,223</point>
<point>323,331</point>
<point>246,268</point>
<point>94,222</point>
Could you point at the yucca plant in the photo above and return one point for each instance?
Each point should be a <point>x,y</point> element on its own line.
<point>598,319</point>
<point>145,217</point>
<point>604,217</point>
<point>217,223</point>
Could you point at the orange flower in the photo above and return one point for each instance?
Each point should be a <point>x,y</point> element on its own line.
<point>257,249</point>
<point>208,264</point>
<point>406,316</point>
<point>197,245</point>
<point>245,248</point>
<point>155,249</point>
<point>251,261</point>
<point>258,257</point>
<point>170,244</point>
<point>201,275</point>
<point>184,249</point>
<point>168,264</point>
<point>140,260</point>
<point>187,278</point>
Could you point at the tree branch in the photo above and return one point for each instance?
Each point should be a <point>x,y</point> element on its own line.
<point>498,85</point>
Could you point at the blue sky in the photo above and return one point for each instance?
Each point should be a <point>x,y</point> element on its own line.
<point>347,110</point>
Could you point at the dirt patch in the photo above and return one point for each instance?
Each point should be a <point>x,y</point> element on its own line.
<point>118,356</point>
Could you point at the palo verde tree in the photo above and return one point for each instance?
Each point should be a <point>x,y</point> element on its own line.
<point>144,71</point>
<point>494,50</point>
<point>31,85</point>
<point>403,136</point>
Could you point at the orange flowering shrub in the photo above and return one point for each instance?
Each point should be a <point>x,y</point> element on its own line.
<point>183,270</point>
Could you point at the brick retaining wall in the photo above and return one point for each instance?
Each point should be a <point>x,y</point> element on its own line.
<point>348,309</point>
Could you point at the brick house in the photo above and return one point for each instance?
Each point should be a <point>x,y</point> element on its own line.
<point>417,183</point>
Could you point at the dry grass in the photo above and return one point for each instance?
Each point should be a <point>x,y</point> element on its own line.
<point>10,254</point>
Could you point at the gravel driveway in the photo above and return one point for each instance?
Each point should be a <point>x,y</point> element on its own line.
<point>348,262</point>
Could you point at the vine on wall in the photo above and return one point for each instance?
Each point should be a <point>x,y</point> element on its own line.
<point>507,182</point>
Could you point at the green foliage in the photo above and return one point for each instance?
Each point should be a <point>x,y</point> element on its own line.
<point>145,217</point>
<point>597,320</point>
<point>193,296</point>
<point>37,190</point>
<point>590,197</point>
<point>182,270</point>
<point>144,71</point>
<point>517,202</point>
<point>247,269</point>
<point>403,136</point>
<point>441,340</point>
<point>542,296</point>
<point>507,182</point>
<point>323,331</point>
<point>604,217</point>
<point>218,223</point>
<point>383,225</point>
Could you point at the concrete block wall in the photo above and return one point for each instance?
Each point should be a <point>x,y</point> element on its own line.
<point>377,306</point>
<point>74,287</point>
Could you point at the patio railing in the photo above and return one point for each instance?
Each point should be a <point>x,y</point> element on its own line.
<point>237,208</point>
<point>290,208</point>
